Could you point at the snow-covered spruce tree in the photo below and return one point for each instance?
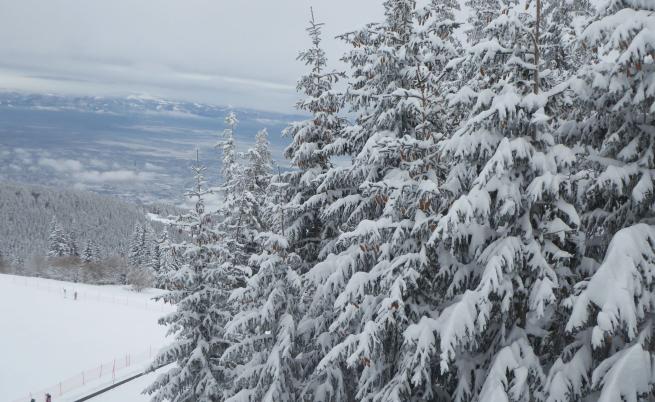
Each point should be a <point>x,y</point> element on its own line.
<point>171,261</point>
<point>235,230</point>
<point>263,331</point>
<point>58,240</point>
<point>563,21</point>
<point>139,274</point>
<point>157,254</point>
<point>136,246</point>
<point>90,252</point>
<point>312,145</point>
<point>241,218</point>
<point>72,244</point>
<point>618,127</point>
<point>234,213</point>
<point>228,147</point>
<point>163,260</point>
<point>240,215</point>
<point>140,246</point>
<point>432,79</point>
<point>198,320</point>
<point>609,355</point>
<point>376,282</point>
<point>260,162</point>
<point>509,232</point>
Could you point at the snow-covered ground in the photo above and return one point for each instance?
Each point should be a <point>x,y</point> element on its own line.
<point>46,338</point>
<point>130,391</point>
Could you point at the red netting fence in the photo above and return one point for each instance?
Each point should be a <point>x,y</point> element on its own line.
<point>110,371</point>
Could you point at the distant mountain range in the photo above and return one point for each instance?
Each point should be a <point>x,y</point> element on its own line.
<point>133,104</point>
<point>137,148</point>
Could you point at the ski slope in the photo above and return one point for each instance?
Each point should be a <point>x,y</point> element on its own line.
<point>46,338</point>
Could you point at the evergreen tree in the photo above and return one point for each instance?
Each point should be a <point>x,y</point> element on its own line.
<point>72,245</point>
<point>59,242</point>
<point>509,232</point>
<point>562,21</point>
<point>312,145</point>
<point>616,94</point>
<point>367,292</point>
<point>136,246</point>
<point>140,246</point>
<point>239,216</point>
<point>196,323</point>
<point>260,162</point>
<point>229,166</point>
<point>609,350</point>
<point>157,260</point>
<point>263,331</point>
<point>171,259</point>
<point>90,252</point>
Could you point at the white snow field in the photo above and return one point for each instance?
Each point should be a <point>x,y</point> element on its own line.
<point>46,338</point>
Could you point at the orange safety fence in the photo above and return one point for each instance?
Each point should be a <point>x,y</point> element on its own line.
<point>108,371</point>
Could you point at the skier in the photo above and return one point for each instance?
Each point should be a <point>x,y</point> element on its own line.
<point>75,295</point>
<point>48,398</point>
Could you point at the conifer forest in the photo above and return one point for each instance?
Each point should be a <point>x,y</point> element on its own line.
<point>463,210</point>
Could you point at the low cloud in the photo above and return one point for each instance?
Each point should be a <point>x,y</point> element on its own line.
<point>62,165</point>
<point>91,176</point>
<point>114,176</point>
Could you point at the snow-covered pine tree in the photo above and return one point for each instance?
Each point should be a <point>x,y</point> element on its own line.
<point>198,320</point>
<point>377,280</point>
<point>140,246</point>
<point>263,330</point>
<point>171,260</point>
<point>618,126</point>
<point>239,215</point>
<point>312,145</point>
<point>72,244</point>
<point>58,240</point>
<point>139,274</point>
<point>90,252</point>
<point>432,77</point>
<point>228,147</point>
<point>510,229</point>
<point>563,21</point>
<point>609,354</point>
<point>136,246</point>
<point>260,162</point>
<point>157,255</point>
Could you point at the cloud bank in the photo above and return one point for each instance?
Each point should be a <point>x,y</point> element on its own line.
<point>226,52</point>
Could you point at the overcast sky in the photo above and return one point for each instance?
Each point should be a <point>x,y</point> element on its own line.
<point>227,52</point>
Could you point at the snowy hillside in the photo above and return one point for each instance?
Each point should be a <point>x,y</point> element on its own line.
<point>27,212</point>
<point>52,338</point>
